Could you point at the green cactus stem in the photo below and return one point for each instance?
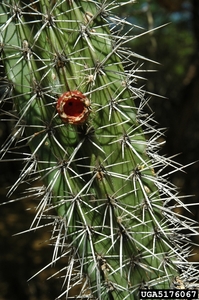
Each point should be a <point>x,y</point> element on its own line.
<point>73,86</point>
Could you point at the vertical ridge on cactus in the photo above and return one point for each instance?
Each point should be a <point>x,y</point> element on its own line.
<point>110,211</point>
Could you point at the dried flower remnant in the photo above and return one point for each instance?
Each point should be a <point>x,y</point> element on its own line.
<point>73,107</point>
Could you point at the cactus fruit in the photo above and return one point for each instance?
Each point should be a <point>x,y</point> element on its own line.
<point>72,81</point>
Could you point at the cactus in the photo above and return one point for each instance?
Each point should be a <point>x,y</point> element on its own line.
<point>77,107</point>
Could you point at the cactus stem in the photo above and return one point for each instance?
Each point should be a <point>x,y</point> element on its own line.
<point>79,107</point>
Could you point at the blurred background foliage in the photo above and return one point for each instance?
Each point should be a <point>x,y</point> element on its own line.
<point>176,48</point>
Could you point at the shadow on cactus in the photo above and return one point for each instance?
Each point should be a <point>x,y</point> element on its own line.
<point>73,81</point>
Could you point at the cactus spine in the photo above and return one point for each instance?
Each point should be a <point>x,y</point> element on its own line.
<point>73,85</point>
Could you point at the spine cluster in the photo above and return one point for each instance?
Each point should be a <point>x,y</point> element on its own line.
<point>73,86</point>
